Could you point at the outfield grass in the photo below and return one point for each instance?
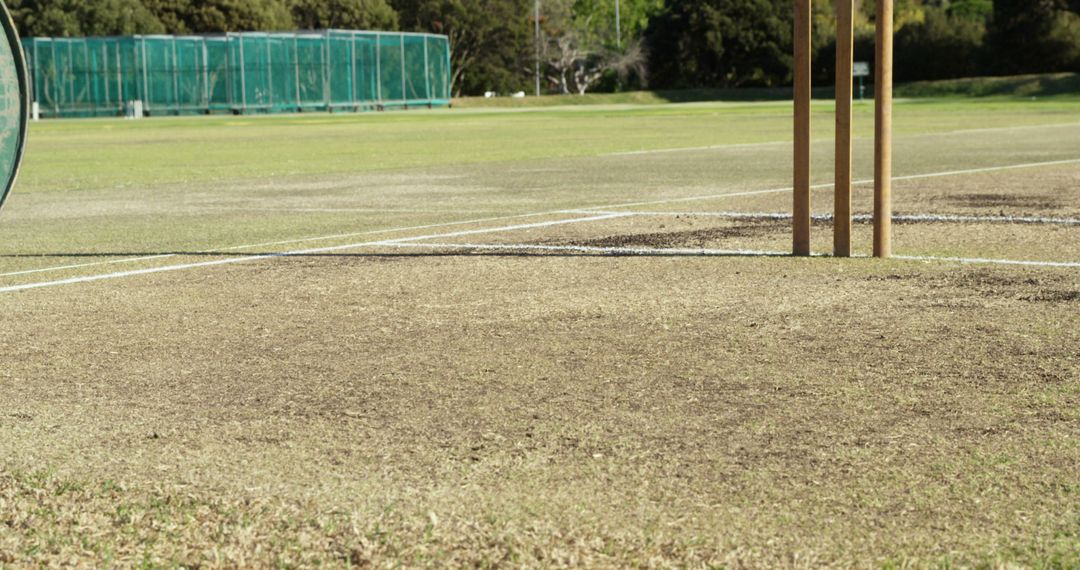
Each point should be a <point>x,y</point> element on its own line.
<point>459,365</point>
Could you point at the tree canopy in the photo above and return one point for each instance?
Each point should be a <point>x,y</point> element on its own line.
<point>661,43</point>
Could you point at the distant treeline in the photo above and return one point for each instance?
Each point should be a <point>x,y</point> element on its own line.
<point>662,44</point>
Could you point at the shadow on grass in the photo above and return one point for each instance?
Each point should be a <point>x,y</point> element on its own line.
<point>742,94</point>
<point>1049,85</point>
<point>462,252</point>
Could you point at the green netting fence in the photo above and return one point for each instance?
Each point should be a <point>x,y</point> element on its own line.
<point>331,70</point>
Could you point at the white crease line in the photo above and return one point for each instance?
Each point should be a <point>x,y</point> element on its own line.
<point>594,209</point>
<point>830,185</point>
<point>643,251</point>
<point>346,210</point>
<point>232,260</point>
<point>693,198</point>
<point>931,218</point>
<point>787,142</point>
<point>985,261</point>
<point>982,219</point>
<point>81,265</point>
<point>981,170</point>
<point>293,241</point>
<point>997,129</point>
<point>695,148</point>
<point>704,252</point>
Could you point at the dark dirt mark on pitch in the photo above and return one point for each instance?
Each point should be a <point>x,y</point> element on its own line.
<point>702,238</point>
<point>990,284</point>
<point>991,200</point>
<point>1072,296</point>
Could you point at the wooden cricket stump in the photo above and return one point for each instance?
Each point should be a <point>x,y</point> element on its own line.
<point>842,211</point>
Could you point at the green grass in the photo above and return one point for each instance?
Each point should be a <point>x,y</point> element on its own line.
<point>88,154</point>
<point>114,185</point>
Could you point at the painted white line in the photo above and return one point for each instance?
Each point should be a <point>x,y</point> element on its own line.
<point>296,241</point>
<point>695,148</point>
<point>705,252</point>
<point>347,210</point>
<point>911,218</point>
<point>946,218</point>
<point>830,185</point>
<point>232,260</point>
<point>735,146</point>
<point>982,170</point>
<point>587,210</point>
<point>644,251</point>
<point>997,129</point>
<point>81,265</point>
<point>694,198</point>
<point>986,261</point>
<point>726,215</point>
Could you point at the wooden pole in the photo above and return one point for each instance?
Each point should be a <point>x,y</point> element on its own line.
<point>801,227</point>
<point>883,86</point>
<point>845,39</point>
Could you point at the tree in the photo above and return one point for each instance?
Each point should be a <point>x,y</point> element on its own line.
<point>490,40</point>
<point>578,52</point>
<point>721,43</point>
<point>216,16</point>
<point>634,16</point>
<point>945,45</point>
<point>344,14</point>
<point>73,18</point>
<point>1036,36</point>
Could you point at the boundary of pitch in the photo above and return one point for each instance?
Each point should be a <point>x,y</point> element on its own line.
<point>706,252</point>
<point>860,218</point>
<point>320,250</point>
<point>591,209</point>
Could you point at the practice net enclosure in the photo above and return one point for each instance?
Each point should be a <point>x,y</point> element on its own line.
<point>251,72</point>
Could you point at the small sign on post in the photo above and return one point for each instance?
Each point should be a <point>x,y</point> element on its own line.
<point>861,70</point>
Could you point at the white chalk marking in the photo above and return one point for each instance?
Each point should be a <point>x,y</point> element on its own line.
<point>986,261</point>
<point>911,218</point>
<point>734,146</point>
<point>830,185</point>
<point>294,241</point>
<point>593,209</point>
<point>643,251</point>
<point>706,252</point>
<point>982,170</point>
<point>346,210</point>
<point>232,260</point>
<point>81,265</point>
<point>695,148</point>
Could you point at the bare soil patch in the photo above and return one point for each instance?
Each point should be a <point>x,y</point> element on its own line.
<point>1040,202</point>
<point>544,411</point>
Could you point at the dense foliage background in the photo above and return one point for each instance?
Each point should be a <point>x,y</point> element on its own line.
<point>663,43</point>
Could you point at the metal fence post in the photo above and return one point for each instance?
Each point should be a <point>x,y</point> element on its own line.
<point>378,69</point>
<point>176,77</point>
<point>404,91</point>
<point>427,72</point>
<point>146,77</point>
<point>270,71</point>
<point>243,76</point>
<point>296,71</point>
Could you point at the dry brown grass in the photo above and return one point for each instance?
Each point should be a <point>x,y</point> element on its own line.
<point>545,413</point>
<point>387,407</point>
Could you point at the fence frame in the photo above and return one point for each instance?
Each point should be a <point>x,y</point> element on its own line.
<point>176,75</point>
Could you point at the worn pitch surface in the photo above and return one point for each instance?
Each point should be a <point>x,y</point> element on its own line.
<point>461,365</point>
